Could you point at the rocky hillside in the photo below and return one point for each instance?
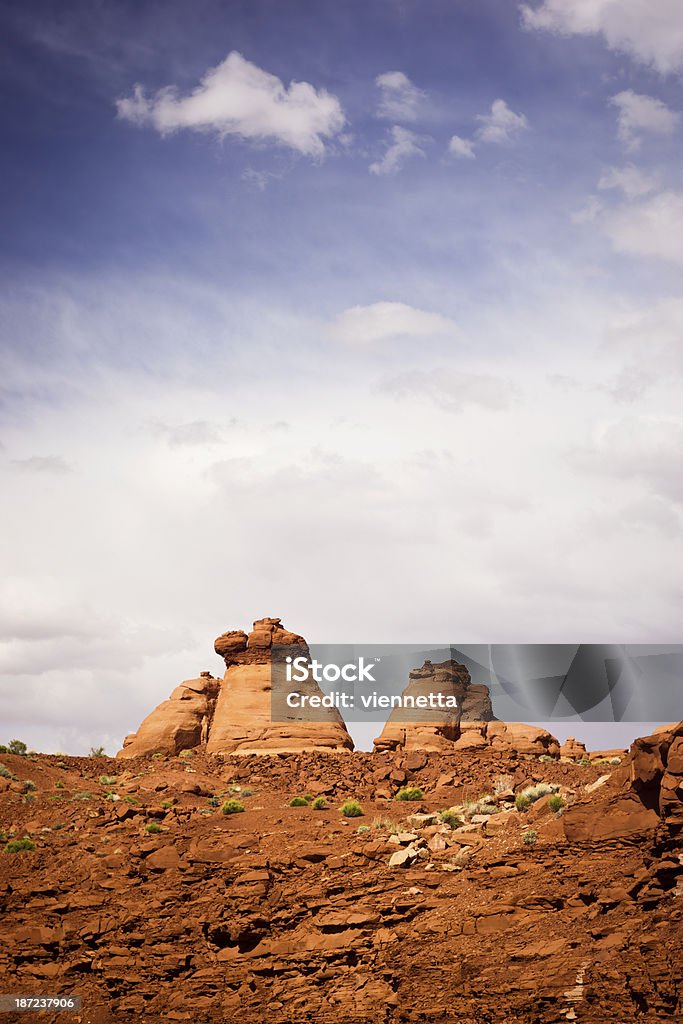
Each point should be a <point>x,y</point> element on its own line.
<point>510,887</point>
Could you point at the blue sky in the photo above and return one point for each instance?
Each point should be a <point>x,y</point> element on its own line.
<point>362,314</point>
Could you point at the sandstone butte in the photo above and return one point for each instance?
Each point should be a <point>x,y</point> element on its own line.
<point>233,715</point>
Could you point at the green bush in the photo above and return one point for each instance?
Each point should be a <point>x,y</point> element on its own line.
<point>298,801</point>
<point>522,802</point>
<point>158,756</point>
<point>186,753</point>
<point>584,762</point>
<point>351,809</point>
<point>20,845</point>
<point>232,807</point>
<point>530,837</point>
<point>5,773</point>
<point>97,752</point>
<point>29,786</point>
<point>154,828</point>
<point>409,793</point>
<point>3,749</point>
<point>615,760</point>
<point>450,817</point>
<point>556,803</point>
<point>319,804</point>
<point>480,807</point>
<point>363,828</point>
<point>108,780</point>
<point>545,758</point>
<point>82,796</point>
<point>17,747</point>
<point>59,784</point>
<point>167,804</point>
<point>213,801</point>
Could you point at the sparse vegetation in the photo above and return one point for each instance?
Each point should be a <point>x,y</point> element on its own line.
<point>351,809</point>
<point>97,752</point>
<point>531,794</point>
<point>451,817</point>
<point>17,747</point>
<point>108,780</point>
<point>232,807</point>
<point>522,802</point>
<point>167,804</point>
<point>319,804</point>
<point>501,783</point>
<point>59,784</point>
<point>479,807</point>
<point>29,786</point>
<point>545,758</point>
<point>186,753</point>
<point>82,795</point>
<point>530,837</point>
<point>213,801</point>
<point>20,845</point>
<point>5,773</point>
<point>584,761</point>
<point>556,803</point>
<point>158,756</point>
<point>385,824</point>
<point>409,793</point>
<point>154,828</point>
<point>298,801</point>
<point>615,760</point>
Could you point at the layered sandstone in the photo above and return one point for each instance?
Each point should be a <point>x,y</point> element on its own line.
<point>470,726</point>
<point>233,715</point>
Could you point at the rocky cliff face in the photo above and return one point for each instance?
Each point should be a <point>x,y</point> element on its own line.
<point>233,715</point>
<point>468,727</point>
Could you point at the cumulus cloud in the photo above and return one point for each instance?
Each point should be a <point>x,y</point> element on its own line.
<point>460,147</point>
<point>501,124</point>
<point>638,115</point>
<point>651,31</point>
<point>399,100</point>
<point>449,389</point>
<point>404,145</point>
<point>238,98</point>
<point>651,339</point>
<point>385,321</point>
<point>653,227</point>
<point>630,180</point>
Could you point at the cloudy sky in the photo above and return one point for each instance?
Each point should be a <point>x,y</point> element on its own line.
<point>363,314</point>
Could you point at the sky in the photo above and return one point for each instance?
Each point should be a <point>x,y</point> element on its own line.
<point>366,315</point>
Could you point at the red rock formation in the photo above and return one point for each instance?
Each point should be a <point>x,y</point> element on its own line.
<point>656,772</point>
<point>573,749</point>
<point>469,727</point>
<point>234,715</point>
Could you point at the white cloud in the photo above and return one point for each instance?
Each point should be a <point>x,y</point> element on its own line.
<point>651,31</point>
<point>54,464</point>
<point>653,227</point>
<point>501,125</point>
<point>449,389</point>
<point>239,98</point>
<point>644,448</point>
<point>630,180</point>
<point>405,144</point>
<point>589,213</point>
<point>384,321</point>
<point>638,115</point>
<point>400,100</point>
<point>197,433</point>
<point>652,338</point>
<point>461,147</point>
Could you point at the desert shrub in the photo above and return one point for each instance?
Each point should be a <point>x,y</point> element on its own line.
<point>5,773</point>
<point>82,795</point>
<point>28,798</point>
<point>108,780</point>
<point>479,807</point>
<point>213,801</point>
<point>522,801</point>
<point>250,792</point>
<point>503,782</point>
<point>556,803</point>
<point>154,828</point>
<point>319,804</point>
<point>59,784</point>
<point>97,752</point>
<point>186,753</point>
<point>167,804</point>
<point>20,845</point>
<point>158,756</point>
<point>130,800</point>
<point>531,794</point>
<point>363,828</point>
<point>615,760</point>
<point>3,749</point>
<point>17,747</point>
<point>451,817</point>
<point>409,793</point>
<point>111,795</point>
<point>584,761</point>
<point>29,786</point>
<point>232,807</point>
<point>530,837</point>
<point>298,801</point>
<point>545,758</point>
<point>351,809</point>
